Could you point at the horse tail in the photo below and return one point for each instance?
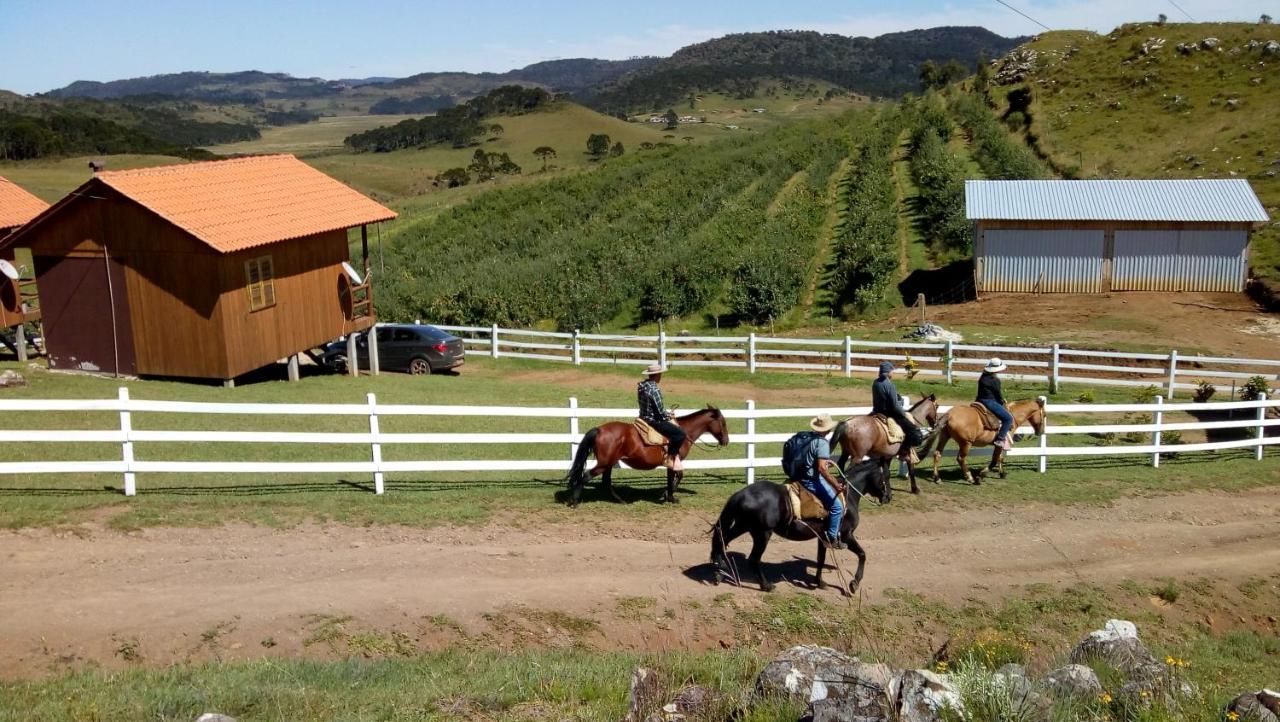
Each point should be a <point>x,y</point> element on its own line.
<point>717,532</point>
<point>926,446</point>
<point>585,449</point>
<point>838,435</point>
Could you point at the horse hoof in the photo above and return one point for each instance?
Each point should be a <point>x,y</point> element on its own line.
<point>936,480</point>
<point>767,587</point>
<point>853,588</point>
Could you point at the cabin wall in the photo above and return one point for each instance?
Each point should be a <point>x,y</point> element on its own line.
<point>307,310</point>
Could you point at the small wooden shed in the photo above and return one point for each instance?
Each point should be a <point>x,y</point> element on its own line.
<point>1096,236</point>
<point>202,270</point>
<point>17,208</point>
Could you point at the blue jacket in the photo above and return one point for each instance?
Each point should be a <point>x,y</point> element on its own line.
<point>885,398</point>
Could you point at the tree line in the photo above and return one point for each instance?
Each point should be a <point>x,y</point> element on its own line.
<point>458,126</point>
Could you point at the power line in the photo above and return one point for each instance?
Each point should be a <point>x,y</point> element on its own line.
<point>1037,22</point>
<point>1184,12</point>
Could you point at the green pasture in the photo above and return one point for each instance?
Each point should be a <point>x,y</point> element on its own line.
<point>509,498</point>
<point>325,134</point>
<point>388,677</point>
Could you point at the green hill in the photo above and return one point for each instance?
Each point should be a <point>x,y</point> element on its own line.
<point>1155,101</point>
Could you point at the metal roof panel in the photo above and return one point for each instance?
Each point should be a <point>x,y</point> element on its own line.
<point>1202,200</point>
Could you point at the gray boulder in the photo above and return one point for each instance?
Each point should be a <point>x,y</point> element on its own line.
<point>1117,644</point>
<point>689,703</point>
<point>809,673</point>
<point>1260,706</point>
<point>1271,48</point>
<point>10,378</point>
<point>1210,43</point>
<point>870,694</point>
<point>214,717</point>
<point>1073,680</point>
<point>926,695</point>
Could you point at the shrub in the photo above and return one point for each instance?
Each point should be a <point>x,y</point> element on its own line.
<point>1204,392</point>
<point>1000,156</point>
<point>1254,388</point>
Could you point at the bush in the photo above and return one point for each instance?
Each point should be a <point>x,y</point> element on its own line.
<point>1254,388</point>
<point>866,238</point>
<point>940,176</point>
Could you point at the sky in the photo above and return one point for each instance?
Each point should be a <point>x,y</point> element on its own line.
<point>45,44</point>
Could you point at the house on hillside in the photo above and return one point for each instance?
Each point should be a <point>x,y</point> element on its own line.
<point>1097,236</point>
<point>17,296</point>
<point>203,270</point>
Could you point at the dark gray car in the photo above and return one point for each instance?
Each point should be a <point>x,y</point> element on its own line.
<point>413,348</point>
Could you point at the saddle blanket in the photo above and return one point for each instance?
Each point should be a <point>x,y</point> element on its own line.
<point>804,505</point>
<point>648,434</point>
<point>892,429</point>
<point>990,421</point>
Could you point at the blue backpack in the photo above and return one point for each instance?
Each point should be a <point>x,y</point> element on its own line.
<point>793,453</point>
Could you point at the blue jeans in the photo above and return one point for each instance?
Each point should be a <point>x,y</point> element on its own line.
<point>821,489</point>
<point>1006,418</point>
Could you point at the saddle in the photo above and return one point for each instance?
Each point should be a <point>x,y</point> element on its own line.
<point>804,505</point>
<point>648,435</point>
<point>892,430</point>
<point>990,421</point>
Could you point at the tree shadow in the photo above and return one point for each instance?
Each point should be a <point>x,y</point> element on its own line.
<point>953,283</point>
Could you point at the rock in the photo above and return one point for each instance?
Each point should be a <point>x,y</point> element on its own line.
<point>1260,706</point>
<point>806,673</point>
<point>1016,66</point>
<point>1271,48</point>
<point>1233,103</point>
<point>11,378</point>
<point>214,717</point>
<point>1117,644</point>
<point>933,332</point>
<point>646,694</point>
<point>869,694</point>
<point>1210,43</point>
<point>1186,48</point>
<point>690,702</point>
<point>925,695</point>
<point>1073,680</point>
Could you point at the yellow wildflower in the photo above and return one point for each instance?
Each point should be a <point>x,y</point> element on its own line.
<point>1169,661</point>
<point>1233,715</point>
<point>942,666</point>
<point>1105,697</point>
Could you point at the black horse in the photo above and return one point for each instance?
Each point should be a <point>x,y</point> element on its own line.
<point>762,509</point>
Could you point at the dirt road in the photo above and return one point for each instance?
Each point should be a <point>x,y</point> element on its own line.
<point>166,595</point>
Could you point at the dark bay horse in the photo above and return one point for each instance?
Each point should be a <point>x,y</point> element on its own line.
<point>963,424</point>
<point>619,441</point>
<point>863,436</point>
<point>762,510</point>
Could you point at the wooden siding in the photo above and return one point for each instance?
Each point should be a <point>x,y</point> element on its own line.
<point>307,310</point>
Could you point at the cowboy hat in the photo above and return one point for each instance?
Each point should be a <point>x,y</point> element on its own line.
<point>653,369</point>
<point>822,423</point>
<point>995,365</point>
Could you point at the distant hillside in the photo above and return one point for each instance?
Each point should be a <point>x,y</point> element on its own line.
<point>1155,101</point>
<point>886,66</point>
<point>249,85</point>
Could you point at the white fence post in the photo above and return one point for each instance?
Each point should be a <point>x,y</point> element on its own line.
<point>577,348</point>
<point>1157,418</point>
<point>1054,361</point>
<point>662,348</point>
<point>848,357</point>
<point>353,354</point>
<point>950,361</point>
<point>1262,430</point>
<point>1044,435</point>
<point>375,362</point>
<point>20,341</point>
<point>751,445</point>
<point>1173,371</point>
<point>751,353</point>
<point>126,446</point>
<point>573,427</point>
<point>375,446</point>
<point>493,341</point>
<point>902,465</point>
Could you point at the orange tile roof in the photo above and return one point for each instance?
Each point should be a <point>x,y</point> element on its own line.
<point>17,206</point>
<point>246,202</point>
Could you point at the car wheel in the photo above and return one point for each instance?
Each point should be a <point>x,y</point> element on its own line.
<point>419,367</point>
<point>338,364</point>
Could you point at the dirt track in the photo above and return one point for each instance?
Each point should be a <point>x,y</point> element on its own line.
<point>197,593</point>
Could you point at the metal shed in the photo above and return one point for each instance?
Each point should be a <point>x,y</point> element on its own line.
<point>1093,236</point>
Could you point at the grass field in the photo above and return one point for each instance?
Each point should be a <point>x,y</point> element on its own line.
<point>325,134</point>
<point>518,499</point>
<point>53,179</point>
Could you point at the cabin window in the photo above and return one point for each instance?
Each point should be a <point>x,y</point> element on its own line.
<point>259,279</point>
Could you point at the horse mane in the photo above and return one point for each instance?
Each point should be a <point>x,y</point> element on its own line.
<point>919,403</point>
<point>710,409</point>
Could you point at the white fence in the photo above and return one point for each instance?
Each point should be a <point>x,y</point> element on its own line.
<point>1254,417</point>
<point>1053,365</point>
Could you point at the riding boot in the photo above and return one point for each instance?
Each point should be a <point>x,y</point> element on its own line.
<point>832,542</point>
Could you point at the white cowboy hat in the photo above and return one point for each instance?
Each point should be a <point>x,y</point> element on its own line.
<point>822,423</point>
<point>653,369</point>
<point>995,365</point>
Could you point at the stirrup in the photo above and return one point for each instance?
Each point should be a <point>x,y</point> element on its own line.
<point>832,543</point>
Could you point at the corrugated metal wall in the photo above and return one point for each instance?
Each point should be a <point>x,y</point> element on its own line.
<point>1048,261</point>
<point>1172,260</point>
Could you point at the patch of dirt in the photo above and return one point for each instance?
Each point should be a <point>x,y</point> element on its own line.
<point>165,595</point>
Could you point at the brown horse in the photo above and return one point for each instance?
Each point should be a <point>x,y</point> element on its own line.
<point>862,436</point>
<point>619,441</point>
<point>963,424</point>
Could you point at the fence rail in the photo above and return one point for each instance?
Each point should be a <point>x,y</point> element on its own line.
<point>375,439</point>
<point>1052,365</point>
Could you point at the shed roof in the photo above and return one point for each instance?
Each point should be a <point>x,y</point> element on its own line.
<point>1205,200</point>
<point>247,202</point>
<point>17,206</point>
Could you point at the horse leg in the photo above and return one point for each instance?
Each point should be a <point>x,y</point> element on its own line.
<point>760,540</point>
<point>606,483</point>
<point>723,571</point>
<point>911,472</point>
<point>943,437</point>
<point>857,549</point>
<point>672,482</point>
<point>580,482</point>
<point>962,457</point>
<point>822,563</point>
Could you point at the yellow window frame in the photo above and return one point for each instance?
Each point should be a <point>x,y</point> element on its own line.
<point>260,282</point>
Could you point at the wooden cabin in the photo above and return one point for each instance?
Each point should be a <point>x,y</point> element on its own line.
<point>202,270</point>
<point>17,297</point>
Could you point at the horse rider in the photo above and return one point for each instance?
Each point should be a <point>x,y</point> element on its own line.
<point>656,415</point>
<point>819,480</point>
<point>989,396</point>
<point>886,400</point>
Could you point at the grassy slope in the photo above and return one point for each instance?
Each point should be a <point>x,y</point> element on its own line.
<point>325,134</point>
<point>51,179</point>
<point>1082,77</point>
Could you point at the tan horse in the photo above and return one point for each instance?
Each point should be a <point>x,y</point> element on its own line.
<point>863,436</point>
<point>963,424</point>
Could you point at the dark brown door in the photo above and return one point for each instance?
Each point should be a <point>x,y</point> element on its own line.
<point>86,314</point>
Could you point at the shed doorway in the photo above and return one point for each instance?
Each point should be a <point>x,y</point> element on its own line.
<point>90,308</point>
